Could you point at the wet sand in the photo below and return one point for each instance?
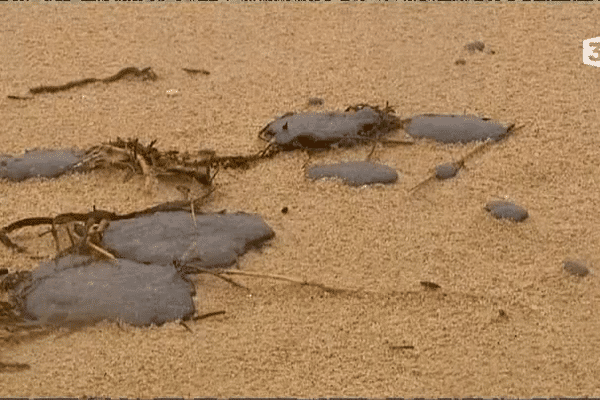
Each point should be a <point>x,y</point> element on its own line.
<point>507,320</point>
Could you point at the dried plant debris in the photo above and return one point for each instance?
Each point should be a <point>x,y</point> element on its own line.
<point>79,290</point>
<point>315,130</point>
<point>355,173</point>
<point>131,155</point>
<point>13,280</point>
<point>194,71</point>
<point>136,157</point>
<point>129,72</point>
<point>502,209</point>
<point>455,128</point>
<point>39,163</point>
<point>13,367</point>
<point>576,267</point>
<point>128,154</point>
<point>213,240</point>
<point>202,165</point>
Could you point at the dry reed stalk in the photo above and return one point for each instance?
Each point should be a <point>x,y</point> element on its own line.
<point>303,282</point>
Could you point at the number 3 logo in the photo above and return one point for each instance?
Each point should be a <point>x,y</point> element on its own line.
<point>591,52</point>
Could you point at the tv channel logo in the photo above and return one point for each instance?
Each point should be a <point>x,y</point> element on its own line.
<point>591,52</point>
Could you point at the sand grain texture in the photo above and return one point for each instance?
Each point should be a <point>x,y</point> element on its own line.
<point>507,321</point>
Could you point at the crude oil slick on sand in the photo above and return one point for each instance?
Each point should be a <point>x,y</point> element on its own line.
<point>80,290</point>
<point>355,173</point>
<point>39,163</point>
<point>143,285</point>
<point>455,128</point>
<point>322,130</point>
<point>212,241</point>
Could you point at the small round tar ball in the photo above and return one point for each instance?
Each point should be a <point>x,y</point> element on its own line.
<point>315,101</point>
<point>506,210</point>
<point>576,268</point>
<point>284,210</point>
<point>446,170</point>
<point>477,45</point>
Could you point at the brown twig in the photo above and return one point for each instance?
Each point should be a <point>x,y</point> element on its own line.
<point>511,130</point>
<point>278,277</point>
<point>136,156</point>
<point>193,214</point>
<point>218,274</point>
<point>194,71</point>
<point>13,367</point>
<point>100,250</point>
<point>145,74</point>
<point>55,235</point>
<point>460,163</point>
<point>207,315</point>
<point>187,328</point>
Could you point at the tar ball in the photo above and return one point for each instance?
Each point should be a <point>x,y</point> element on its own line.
<point>576,268</point>
<point>506,210</point>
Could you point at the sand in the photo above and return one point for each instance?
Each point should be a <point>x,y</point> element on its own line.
<point>507,320</point>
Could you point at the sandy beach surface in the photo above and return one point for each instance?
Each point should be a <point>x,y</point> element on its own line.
<point>507,320</point>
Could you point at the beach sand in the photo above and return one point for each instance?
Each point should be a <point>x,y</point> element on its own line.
<point>507,320</point>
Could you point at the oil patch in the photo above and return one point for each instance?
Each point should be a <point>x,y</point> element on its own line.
<point>315,101</point>
<point>475,46</point>
<point>212,241</point>
<point>39,163</point>
<point>355,173</point>
<point>446,170</point>
<point>78,290</point>
<point>315,130</point>
<point>576,267</point>
<point>454,128</point>
<point>506,210</point>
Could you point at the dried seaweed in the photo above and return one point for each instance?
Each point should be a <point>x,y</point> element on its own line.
<point>194,71</point>
<point>144,74</point>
